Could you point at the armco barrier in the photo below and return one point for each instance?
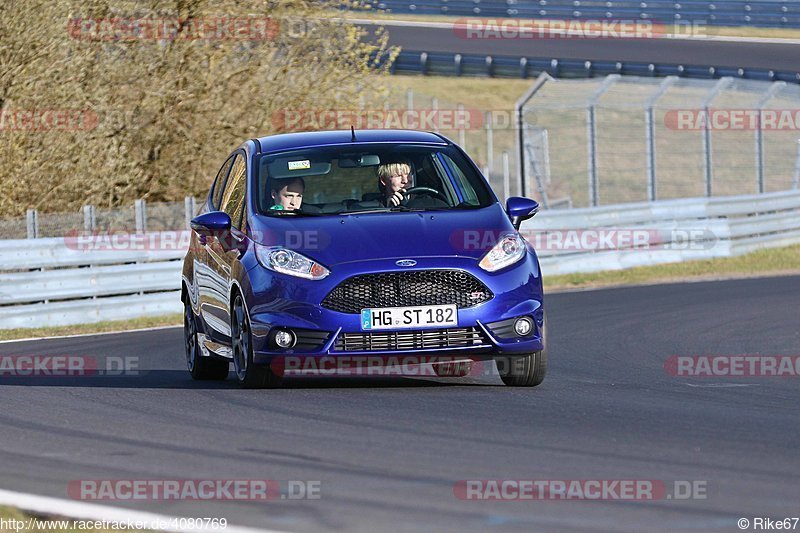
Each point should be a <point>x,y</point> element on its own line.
<point>51,282</point>
<point>676,231</point>
<point>452,64</point>
<point>56,281</point>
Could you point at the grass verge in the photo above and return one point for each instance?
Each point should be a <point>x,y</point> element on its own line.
<point>97,327</point>
<point>763,263</point>
<point>487,94</point>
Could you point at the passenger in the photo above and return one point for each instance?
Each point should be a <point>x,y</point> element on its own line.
<point>288,194</point>
<point>393,179</point>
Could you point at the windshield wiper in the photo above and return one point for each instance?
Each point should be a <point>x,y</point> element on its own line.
<point>406,209</point>
<point>364,211</point>
<point>285,213</point>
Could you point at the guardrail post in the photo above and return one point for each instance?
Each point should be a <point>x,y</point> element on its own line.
<point>89,219</point>
<point>720,86</point>
<point>650,135</point>
<point>759,140</point>
<point>423,63</point>
<point>489,142</point>
<point>457,64</point>
<point>490,66</point>
<point>140,208</point>
<point>462,133</point>
<point>32,217</point>
<point>506,176</point>
<point>188,210</point>
<point>520,124</point>
<point>523,68</point>
<point>537,172</point>
<point>591,133</point>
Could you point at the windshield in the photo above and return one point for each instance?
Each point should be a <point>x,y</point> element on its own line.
<point>368,178</point>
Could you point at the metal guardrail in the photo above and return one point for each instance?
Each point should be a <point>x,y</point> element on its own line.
<point>51,282</point>
<point>451,64</point>
<point>605,238</point>
<point>760,13</point>
<point>74,280</point>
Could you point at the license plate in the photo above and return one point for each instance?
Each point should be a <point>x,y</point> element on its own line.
<point>409,317</point>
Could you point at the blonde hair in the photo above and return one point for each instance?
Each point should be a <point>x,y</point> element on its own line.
<point>388,170</point>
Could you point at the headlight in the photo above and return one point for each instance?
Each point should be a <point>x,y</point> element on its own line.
<point>508,251</point>
<point>289,262</point>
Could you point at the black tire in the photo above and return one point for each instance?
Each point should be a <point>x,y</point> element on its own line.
<point>525,370</point>
<point>201,368</point>
<point>249,375</point>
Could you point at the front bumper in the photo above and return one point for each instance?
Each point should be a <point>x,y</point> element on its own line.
<point>281,301</point>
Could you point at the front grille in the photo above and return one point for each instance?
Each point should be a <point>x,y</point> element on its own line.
<point>404,289</point>
<point>409,340</point>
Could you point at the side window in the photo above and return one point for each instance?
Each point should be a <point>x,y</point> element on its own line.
<point>219,183</point>
<point>470,196</point>
<point>233,199</point>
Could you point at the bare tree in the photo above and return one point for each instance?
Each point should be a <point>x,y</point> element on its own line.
<point>106,101</point>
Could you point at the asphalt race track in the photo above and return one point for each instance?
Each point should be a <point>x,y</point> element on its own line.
<point>388,450</point>
<point>766,55</point>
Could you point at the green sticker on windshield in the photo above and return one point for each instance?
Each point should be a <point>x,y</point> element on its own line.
<point>300,165</point>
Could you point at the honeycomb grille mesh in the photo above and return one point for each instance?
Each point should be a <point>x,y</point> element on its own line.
<point>403,289</point>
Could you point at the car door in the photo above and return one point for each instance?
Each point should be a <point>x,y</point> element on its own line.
<point>224,251</point>
<point>204,277</point>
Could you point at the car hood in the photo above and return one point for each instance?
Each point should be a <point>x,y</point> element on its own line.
<point>333,240</point>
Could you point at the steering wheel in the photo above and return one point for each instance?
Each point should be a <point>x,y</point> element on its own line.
<point>433,192</point>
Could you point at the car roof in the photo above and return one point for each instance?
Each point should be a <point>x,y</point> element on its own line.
<point>289,141</point>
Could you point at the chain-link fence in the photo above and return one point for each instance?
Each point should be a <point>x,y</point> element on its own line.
<point>488,136</point>
<point>585,142</point>
<point>627,139</point>
<point>139,217</point>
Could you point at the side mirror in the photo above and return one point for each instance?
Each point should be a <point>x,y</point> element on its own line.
<point>211,224</point>
<point>520,209</point>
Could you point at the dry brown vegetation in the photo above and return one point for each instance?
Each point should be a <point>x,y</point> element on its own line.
<point>102,115</point>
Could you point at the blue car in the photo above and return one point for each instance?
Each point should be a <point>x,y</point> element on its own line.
<point>339,244</point>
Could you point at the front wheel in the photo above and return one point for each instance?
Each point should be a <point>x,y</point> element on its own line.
<point>250,375</point>
<point>201,368</point>
<point>525,370</point>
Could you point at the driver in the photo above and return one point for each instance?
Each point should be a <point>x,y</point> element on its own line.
<point>394,179</point>
<point>288,194</point>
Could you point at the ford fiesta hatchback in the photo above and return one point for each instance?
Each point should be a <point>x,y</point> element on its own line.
<point>368,243</point>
